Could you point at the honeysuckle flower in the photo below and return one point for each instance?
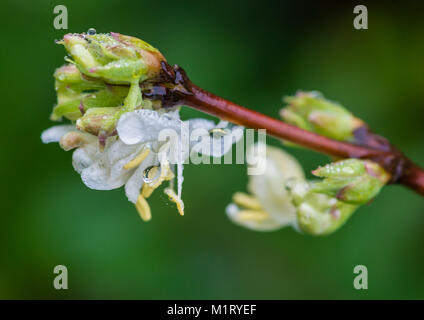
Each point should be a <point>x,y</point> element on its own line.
<point>269,205</point>
<point>121,138</point>
<point>312,112</point>
<point>149,149</point>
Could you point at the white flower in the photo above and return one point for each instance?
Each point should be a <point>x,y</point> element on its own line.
<point>143,155</point>
<point>269,207</point>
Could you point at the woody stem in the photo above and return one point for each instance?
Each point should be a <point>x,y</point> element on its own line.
<point>412,176</point>
<point>173,87</point>
<point>227,110</point>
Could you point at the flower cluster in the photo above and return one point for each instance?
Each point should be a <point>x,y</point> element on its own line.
<point>118,135</point>
<point>281,196</point>
<point>124,133</point>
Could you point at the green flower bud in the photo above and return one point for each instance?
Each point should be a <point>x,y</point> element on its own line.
<point>322,215</point>
<point>96,120</point>
<point>319,214</point>
<point>353,181</point>
<point>77,93</point>
<point>312,112</point>
<point>114,57</point>
<point>102,60</point>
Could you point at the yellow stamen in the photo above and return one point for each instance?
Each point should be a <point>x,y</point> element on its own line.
<point>175,198</point>
<point>246,201</point>
<point>218,132</point>
<point>137,160</point>
<point>147,190</point>
<point>143,208</point>
<point>252,215</point>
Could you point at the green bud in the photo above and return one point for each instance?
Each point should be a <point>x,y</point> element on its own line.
<point>319,214</point>
<point>69,77</point>
<point>114,57</point>
<point>77,93</point>
<point>312,112</point>
<point>102,60</point>
<point>322,215</point>
<point>352,181</point>
<point>96,120</point>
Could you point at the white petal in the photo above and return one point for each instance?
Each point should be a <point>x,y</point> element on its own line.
<point>118,155</point>
<point>269,224</point>
<point>145,125</point>
<point>119,150</point>
<point>81,160</point>
<point>207,144</point>
<point>228,140</point>
<point>200,123</point>
<point>135,182</point>
<point>270,188</point>
<point>104,170</point>
<point>98,176</point>
<point>54,134</point>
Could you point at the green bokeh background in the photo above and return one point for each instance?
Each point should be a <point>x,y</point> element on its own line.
<point>252,53</point>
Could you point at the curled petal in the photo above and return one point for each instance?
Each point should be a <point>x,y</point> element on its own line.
<point>54,134</point>
<point>252,219</point>
<point>142,126</point>
<point>104,170</point>
<point>97,176</point>
<point>84,157</point>
<point>213,140</point>
<point>270,187</point>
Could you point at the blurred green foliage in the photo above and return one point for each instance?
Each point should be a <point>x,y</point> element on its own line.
<point>252,53</point>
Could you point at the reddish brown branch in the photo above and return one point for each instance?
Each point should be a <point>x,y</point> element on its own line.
<point>413,177</point>
<point>224,109</point>
<point>174,88</point>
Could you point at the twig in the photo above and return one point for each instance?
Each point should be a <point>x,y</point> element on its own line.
<point>175,88</point>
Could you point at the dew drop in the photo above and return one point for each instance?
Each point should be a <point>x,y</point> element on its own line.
<point>146,174</point>
<point>91,31</point>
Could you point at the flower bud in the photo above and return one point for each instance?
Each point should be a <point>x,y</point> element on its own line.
<point>70,86</point>
<point>75,139</point>
<point>318,214</point>
<point>96,120</point>
<point>322,215</point>
<point>353,181</point>
<point>113,57</point>
<point>76,93</point>
<point>149,54</point>
<point>312,112</point>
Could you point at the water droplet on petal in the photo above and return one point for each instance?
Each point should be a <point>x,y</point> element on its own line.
<point>91,31</point>
<point>147,175</point>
